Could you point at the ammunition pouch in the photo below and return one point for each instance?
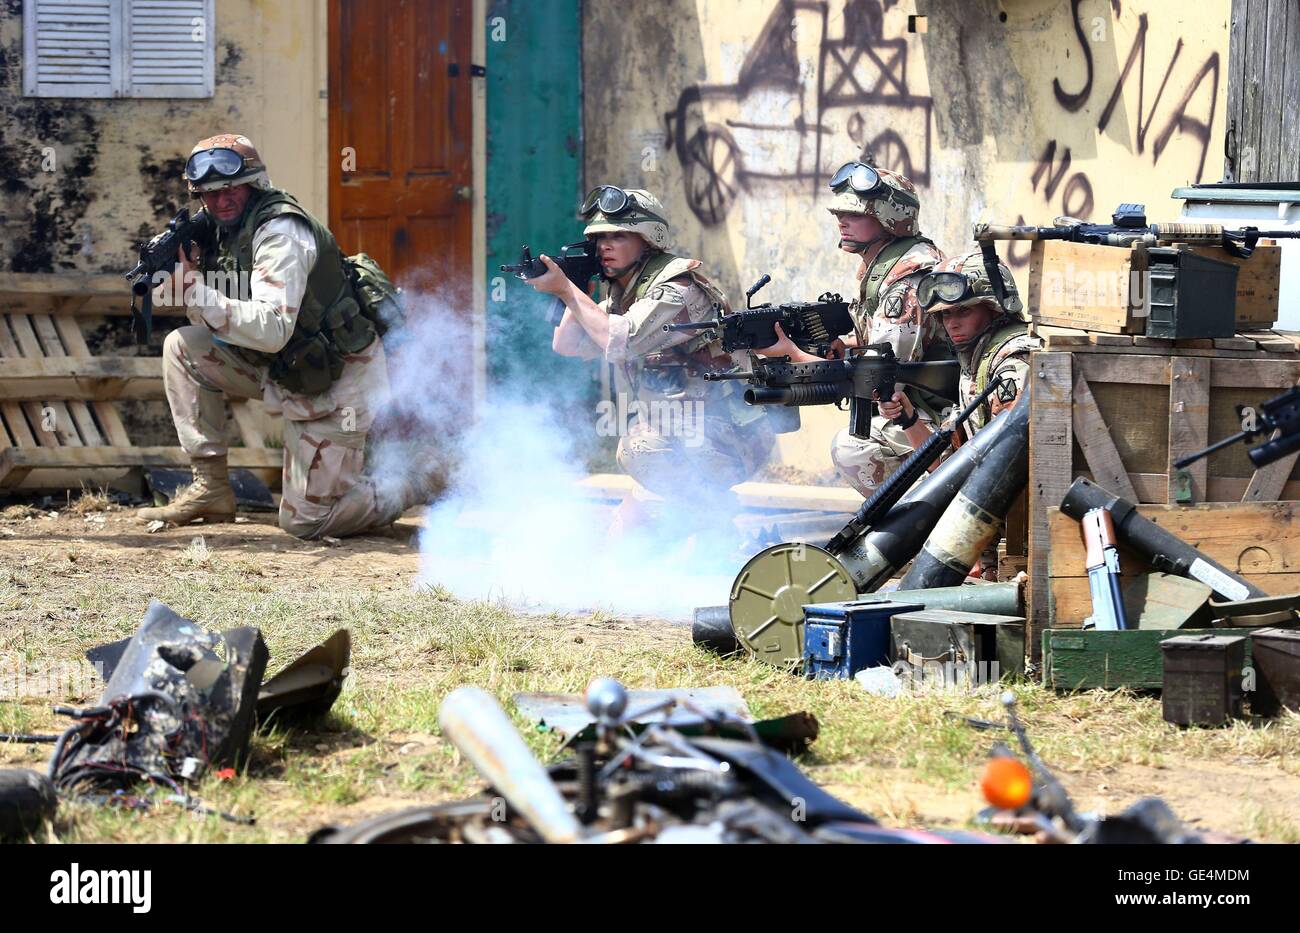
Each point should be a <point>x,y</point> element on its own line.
<point>307,365</point>
<point>381,302</point>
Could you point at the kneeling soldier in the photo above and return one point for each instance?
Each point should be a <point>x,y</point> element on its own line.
<point>293,334</point>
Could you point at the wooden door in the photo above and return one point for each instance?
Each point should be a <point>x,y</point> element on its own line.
<point>400,141</point>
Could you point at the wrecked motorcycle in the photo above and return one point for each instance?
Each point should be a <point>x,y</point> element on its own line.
<point>662,773</point>
<point>1029,799</point>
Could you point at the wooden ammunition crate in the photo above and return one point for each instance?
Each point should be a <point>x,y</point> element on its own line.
<point>1077,660</point>
<point>1203,679</point>
<point>1089,287</point>
<point>1121,416</point>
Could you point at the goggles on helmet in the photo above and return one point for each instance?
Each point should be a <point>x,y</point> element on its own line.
<point>859,176</point>
<point>948,287</point>
<point>201,166</point>
<point>609,200</point>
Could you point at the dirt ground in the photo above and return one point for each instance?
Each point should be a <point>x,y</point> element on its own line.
<point>76,580</point>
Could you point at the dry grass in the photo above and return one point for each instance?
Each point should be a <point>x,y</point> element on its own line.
<point>905,759</point>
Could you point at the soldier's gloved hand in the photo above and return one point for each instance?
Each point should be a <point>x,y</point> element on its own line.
<point>553,281</point>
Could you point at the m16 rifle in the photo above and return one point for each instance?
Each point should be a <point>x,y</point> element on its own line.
<point>868,375</point>
<point>159,255</point>
<point>1129,227</point>
<point>811,325</point>
<point>578,261</point>
<point>1281,414</point>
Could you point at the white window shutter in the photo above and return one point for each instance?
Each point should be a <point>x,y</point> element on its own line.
<point>72,48</point>
<point>170,48</point>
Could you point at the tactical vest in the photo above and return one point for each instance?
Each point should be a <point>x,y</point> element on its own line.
<point>330,323</point>
<point>662,268</point>
<point>869,291</point>
<point>997,340</point>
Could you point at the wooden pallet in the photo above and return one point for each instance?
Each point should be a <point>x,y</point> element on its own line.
<point>1122,416</point>
<point>59,426</point>
<point>1245,345</point>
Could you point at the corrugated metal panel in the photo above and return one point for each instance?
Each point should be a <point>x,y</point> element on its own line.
<point>118,48</point>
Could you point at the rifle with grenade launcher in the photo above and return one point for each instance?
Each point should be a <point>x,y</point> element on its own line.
<point>867,374</point>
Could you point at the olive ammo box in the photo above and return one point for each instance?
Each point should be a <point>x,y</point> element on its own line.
<point>1202,679</point>
<point>1276,661</point>
<point>1074,659</point>
<point>840,639</point>
<point>980,647</point>
<point>1189,296</point>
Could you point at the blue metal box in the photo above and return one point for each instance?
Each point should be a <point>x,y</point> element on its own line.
<point>840,639</point>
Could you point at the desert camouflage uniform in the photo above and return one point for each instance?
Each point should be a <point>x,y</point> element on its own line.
<point>734,439</point>
<point>324,491</point>
<point>1010,344</point>
<point>897,320</point>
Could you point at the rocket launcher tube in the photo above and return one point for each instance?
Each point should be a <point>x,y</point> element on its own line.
<point>1166,552</point>
<point>894,540</point>
<point>974,518</point>
<point>896,485</point>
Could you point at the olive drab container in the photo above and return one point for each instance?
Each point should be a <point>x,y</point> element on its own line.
<point>973,647</point>
<point>1202,682</point>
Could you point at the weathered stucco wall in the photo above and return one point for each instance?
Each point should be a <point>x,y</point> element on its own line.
<point>117,163</point>
<point>736,111</point>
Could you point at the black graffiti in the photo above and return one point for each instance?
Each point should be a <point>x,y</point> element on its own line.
<point>1198,129</point>
<point>1074,102</point>
<point>1178,121</point>
<point>861,76</point>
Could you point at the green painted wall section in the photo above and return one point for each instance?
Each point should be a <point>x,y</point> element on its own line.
<point>534,176</point>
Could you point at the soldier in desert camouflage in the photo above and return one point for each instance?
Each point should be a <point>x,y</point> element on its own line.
<point>877,212</point>
<point>294,335</point>
<point>724,441</point>
<point>991,338</point>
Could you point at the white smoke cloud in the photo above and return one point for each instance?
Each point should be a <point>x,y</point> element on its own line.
<point>512,524</point>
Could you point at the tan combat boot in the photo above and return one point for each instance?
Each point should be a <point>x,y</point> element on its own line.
<point>209,497</point>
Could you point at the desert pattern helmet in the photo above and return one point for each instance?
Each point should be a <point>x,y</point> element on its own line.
<point>643,214</point>
<point>978,287</point>
<point>214,173</point>
<point>896,204</point>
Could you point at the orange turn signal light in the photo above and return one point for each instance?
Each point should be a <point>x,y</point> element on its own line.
<point>1007,783</point>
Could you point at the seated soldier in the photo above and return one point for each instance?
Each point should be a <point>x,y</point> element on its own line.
<point>990,336</point>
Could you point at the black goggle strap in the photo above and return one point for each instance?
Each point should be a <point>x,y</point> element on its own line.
<point>990,256</point>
